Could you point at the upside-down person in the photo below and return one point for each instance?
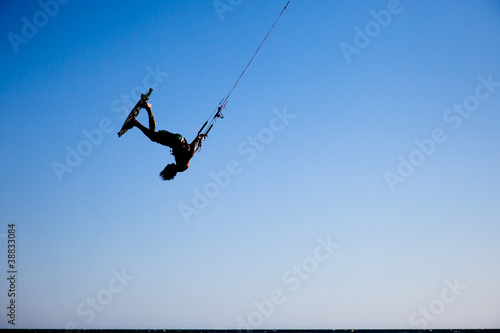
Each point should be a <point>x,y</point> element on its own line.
<point>182,151</point>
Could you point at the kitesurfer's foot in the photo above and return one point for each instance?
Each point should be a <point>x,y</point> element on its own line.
<point>133,122</point>
<point>145,105</point>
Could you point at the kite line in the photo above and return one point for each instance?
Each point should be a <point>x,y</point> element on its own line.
<point>217,113</point>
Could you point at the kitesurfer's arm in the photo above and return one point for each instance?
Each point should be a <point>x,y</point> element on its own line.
<point>195,144</point>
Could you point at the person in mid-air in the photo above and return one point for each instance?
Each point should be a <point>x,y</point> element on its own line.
<point>182,151</point>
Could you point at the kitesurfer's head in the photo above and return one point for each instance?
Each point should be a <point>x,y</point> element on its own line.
<point>169,172</point>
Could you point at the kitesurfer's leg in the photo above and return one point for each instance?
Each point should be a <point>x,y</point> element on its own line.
<point>162,137</point>
<point>151,134</point>
<point>152,123</point>
<point>151,131</point>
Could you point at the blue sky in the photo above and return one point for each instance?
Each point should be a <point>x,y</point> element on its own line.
<point>318,146</point>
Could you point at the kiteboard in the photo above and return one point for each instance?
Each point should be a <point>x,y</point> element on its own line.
<point>135,111</point>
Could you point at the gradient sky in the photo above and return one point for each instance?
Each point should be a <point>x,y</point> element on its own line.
<point>319,176</point>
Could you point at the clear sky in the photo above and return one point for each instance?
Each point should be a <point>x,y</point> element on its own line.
<point>353,182</point>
